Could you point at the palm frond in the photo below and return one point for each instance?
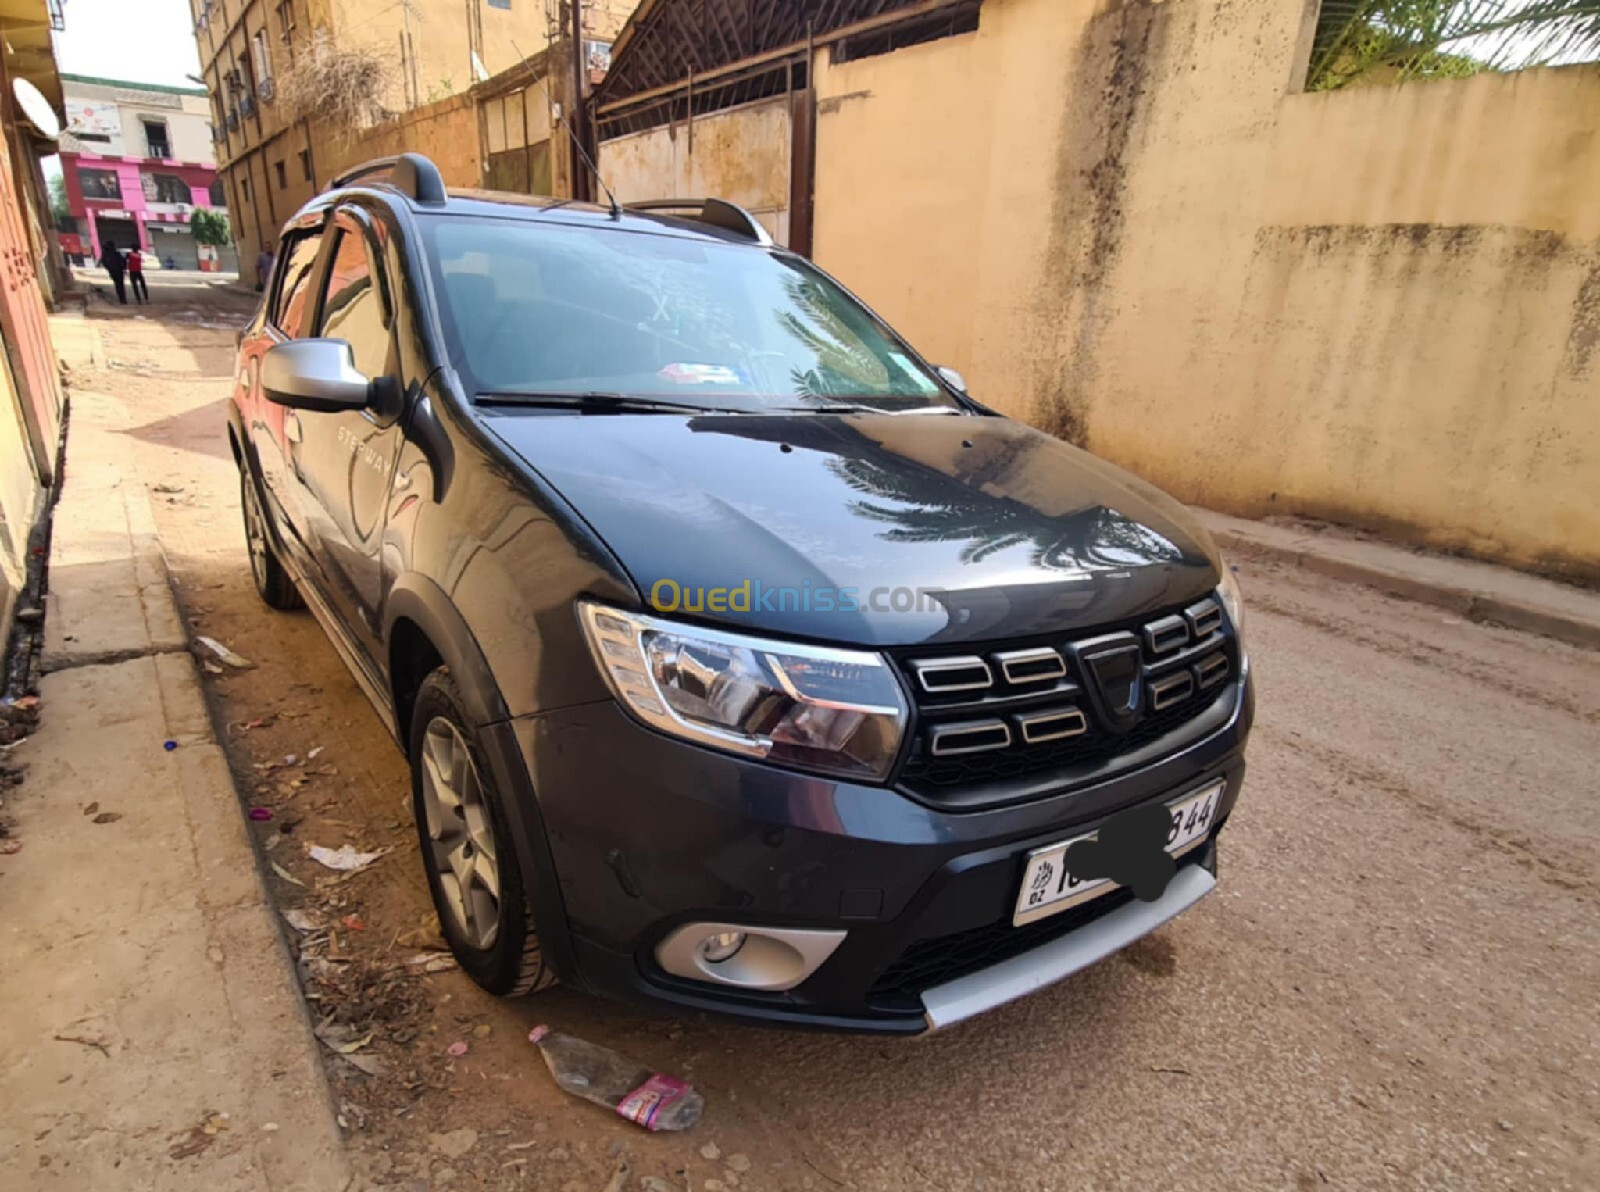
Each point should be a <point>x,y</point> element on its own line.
<point>1391,41</point>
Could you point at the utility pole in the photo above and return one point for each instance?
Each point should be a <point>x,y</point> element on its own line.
<point>582,184</point>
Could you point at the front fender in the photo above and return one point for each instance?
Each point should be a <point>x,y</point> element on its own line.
<point>416,598</point>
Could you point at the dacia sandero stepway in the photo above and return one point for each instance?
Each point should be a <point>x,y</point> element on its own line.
<point>744,662</point>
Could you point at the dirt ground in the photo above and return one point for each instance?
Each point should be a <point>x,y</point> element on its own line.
<point>1394,985</point>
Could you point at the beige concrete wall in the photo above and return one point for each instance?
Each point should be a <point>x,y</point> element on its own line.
<point>441,40</point>
<point>1380,306</point>
<point>741,155</point>
<point>446,132</point>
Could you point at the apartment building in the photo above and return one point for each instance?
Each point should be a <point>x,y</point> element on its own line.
<point>274,156</point>
<point>137,161</point>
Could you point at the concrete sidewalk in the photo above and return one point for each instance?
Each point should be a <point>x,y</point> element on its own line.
<point>154,1035</point>
<point>1470,589</point>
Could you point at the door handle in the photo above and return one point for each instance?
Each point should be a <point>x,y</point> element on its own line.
<point>291,427</point>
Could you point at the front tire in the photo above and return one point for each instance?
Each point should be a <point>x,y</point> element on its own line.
<point>273,584</point>
<point>478,889</point>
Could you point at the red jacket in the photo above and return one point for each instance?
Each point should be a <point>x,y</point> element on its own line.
<point>135,262</point>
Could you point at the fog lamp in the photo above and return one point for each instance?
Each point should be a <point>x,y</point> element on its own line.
<point>722,946</point>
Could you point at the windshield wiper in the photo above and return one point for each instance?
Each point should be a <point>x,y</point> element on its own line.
<point>596,402</point>
<point>831,408</point>
<point>852,408</point>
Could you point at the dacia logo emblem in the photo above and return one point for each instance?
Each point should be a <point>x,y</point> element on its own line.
<point>1113,673</point>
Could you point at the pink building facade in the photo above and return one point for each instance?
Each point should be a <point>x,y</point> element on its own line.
<point>138,162</point>
<point>130,214</point>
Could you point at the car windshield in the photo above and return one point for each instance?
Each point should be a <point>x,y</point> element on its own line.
<point>543,308</point>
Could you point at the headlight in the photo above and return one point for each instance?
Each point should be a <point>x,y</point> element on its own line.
<point>819,709</point>
<point>1232,599</point>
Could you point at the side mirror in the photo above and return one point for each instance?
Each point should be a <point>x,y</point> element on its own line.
<point>952,378</point>
<point>314,374</point>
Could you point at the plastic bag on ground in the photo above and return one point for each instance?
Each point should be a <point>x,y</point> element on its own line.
<point>651,1099</point>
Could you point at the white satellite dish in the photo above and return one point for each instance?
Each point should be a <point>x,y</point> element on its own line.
<point>36,108</point>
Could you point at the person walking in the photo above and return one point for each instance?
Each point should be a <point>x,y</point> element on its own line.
<point>264,266</point>
<point>141,290</point>
<point>111,261</point>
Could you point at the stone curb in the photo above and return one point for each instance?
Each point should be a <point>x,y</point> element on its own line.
<point>1466,602</point>
<point>254,958</point>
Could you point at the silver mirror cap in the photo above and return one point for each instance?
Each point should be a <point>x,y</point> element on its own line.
<point>314,374</point>
<point>952,378</point>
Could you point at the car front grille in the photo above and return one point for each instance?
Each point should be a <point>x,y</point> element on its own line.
<point>993,722</point>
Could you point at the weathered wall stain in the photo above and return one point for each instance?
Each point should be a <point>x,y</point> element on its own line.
<point>1111,76</point>
<point>1584,334</point>
<point>833,103</point>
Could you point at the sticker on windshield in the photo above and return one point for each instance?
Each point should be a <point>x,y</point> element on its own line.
<point>702,374</point>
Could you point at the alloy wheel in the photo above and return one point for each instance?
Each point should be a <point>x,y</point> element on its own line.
<point>255,532</point>
<point>460,834</point>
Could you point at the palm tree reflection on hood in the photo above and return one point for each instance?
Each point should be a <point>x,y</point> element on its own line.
<point>1092,538</point>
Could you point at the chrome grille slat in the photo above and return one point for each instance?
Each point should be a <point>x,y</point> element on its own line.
<point>1038,665</point>
<point>967,672</point>
<point>1205,618</point>
<point>1171,689</point>
<point>1057,725</point>
<point>1212,670</point>
<point>1166,634</point>
<point>969,736</point>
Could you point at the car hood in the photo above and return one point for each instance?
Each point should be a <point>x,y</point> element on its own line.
<point>870,529</point>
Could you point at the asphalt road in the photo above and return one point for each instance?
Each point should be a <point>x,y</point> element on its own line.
<point>1393,987</point>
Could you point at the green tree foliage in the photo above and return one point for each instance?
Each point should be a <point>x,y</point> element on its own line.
<point>58,197</point>
<point>1391,41</point>
<point>211,227</point>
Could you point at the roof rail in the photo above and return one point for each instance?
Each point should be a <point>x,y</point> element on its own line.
<point>412,174</point>
<point>719,213</point>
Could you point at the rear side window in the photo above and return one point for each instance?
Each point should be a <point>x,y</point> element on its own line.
<point>354,310</point>
<point>290,314</point>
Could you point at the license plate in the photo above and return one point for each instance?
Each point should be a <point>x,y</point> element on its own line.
<point>1048,888</point>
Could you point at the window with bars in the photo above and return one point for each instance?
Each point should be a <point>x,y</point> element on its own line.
<point>157,143</point>
<point>937,24</point>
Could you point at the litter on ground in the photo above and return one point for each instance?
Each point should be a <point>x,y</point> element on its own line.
<point>224,655</point>
<point>346,859</point>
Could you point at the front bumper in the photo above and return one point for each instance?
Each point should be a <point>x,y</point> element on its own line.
<point>647,833</point>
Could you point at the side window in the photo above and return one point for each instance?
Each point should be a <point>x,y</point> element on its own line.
<point>354,310</point>
<point>290,314</point>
